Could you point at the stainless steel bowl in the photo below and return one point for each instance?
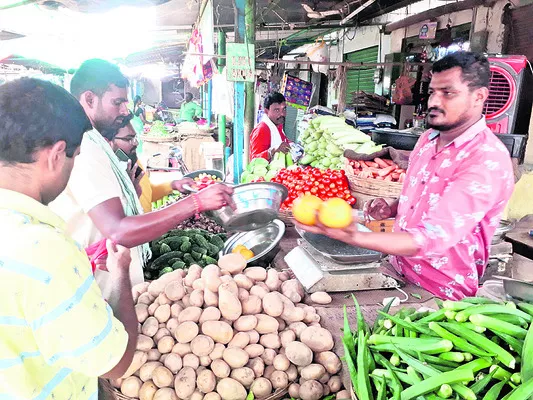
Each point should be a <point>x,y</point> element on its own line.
<point>257,206</point>
<point>263,242</point>
<point>517,289</point>
<point>219,174</point>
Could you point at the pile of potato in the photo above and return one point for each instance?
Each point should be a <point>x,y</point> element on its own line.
<point>223,331</point>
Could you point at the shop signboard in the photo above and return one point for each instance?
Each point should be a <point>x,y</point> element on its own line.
<point>240,62</point>
<point>428,30</point>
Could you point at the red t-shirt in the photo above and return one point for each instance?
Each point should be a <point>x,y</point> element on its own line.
<point>260,141</point>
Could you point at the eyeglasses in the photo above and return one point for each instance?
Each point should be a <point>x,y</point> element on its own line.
<point>131,140</point>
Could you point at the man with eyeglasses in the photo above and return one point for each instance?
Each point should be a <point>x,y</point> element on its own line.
<point>126,140</point>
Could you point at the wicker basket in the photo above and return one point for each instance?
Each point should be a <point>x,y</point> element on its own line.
<point>160,139</point>
<point>372,187</point>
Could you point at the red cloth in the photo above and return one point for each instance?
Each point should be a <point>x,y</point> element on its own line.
<point>260,141</point>
<point>96,251</point>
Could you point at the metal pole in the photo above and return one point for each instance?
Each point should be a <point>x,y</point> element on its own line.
<point>238,117</point>
<point>221,63</point>
<point>249,114</point>
<point>209,100</point>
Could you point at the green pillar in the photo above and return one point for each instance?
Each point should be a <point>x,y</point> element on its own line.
<point>221,63</point>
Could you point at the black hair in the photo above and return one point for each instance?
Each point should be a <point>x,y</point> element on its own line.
<point>96,75</point>
<point>137,100</point>
<point>110,133</point>
<point>475,67</point>
<point>188,94</point>
<point>273,98</point>
<point>35,114</point>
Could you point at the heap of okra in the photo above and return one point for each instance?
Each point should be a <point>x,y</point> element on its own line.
<point>470,349</point>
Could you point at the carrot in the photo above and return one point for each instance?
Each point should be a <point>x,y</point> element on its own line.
<point>386,171</point>
<point>388,162</point>
<point>372,164</point>
<point>381,163</point>
<point>395,175</point>
<point>388,178</point>
<point>402,177</point>
<point>401,171</point>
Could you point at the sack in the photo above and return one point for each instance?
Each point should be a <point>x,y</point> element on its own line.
<point>404,93</point>
<point>96,251</point>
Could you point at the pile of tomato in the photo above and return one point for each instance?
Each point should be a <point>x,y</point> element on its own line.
<point>324,184</point>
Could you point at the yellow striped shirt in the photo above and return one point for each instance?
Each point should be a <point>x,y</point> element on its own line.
<point>57,334</point>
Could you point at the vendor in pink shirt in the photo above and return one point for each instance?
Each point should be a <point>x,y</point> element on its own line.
<point>459,180</point>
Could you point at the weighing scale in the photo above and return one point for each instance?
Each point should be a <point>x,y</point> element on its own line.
<point>324,264</point>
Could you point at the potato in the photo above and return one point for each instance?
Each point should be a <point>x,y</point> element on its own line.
<point>235,357</point>
<point>212,396</point>
<point>320,298</point>
<point>254,336</point>
<point>150,326</point>
<point>241,339</point>
<point>270,341</point>
<point>243,281</point>
<point>327,390</point>
<point>175,310</point>
<point>145,372</point>
<point>139,289</point>
<point>197,298</point>
<point>335,383</point>
<point>226,277</point>
<point>292,373</point>
<point>330,361</point>
<point>317,339</point>
<point>230,389</point>
<point>202,345</point>
<point>245,323</point>
<point>294,391</point>
<point>210,298</point>
<point>212,282</point>
<point>210,314</point>
<point>220,368</point>
<point>254,350</point>
<point>284,276</point>
<point>228,303</point>
<point>141,310</point>
<point>186,332</point>
<point>266,324</point>
<point>217,352</point>
<point>172,324</point>
<point>245,376</point>
<point>243,295</point>
<point>144,343</point>
<point>279,380</point>
<point>162,299</point>
<point>343,395</point>
<point>281,362</point>
<point>206,381</point>
<point>161,333</point>
<point>219,331</point>
<point>130,386</point>
<point>182,349</point>
<point>293,290</point>
<point>147,391</point>
<point>286,337</point>
<point>198,284</point>
<point>165,344</point>
<point>282,324</point>
<point>268,356</point>
<point>153,355</point>
<point>197,395</point>
<point>299,354</point>
<point>293,314</point>
<point>173,362</point>
<point>312,318</point>
<point>190,314</point>
<point>163,358</point>
<point>194,273</point>
<point>210,269</point>
<point>311,390</point>
<point>145,298</point>
<point>261,387</point>
<point>162,377</point>
<point>258,291</point>
<point>186,300</point>
<point>269,370</point>
<point>257,365</point>
<point>297,328</point>
<point>191,360</point>
<point>158,286</point>
<point>185,382</point>
<point>252,305</point>
<point>313,372</point>
<point>234,263</point>
<point>272,281</point>
<point>165,394</point>
<point>257,274</point>
<point>175,291</point>
<point>272,304</point>
<point>139,358</point>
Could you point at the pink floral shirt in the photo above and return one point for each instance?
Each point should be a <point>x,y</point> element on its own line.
<point>452,202</point>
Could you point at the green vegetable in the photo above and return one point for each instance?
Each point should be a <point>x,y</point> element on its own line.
<point>434,382</point>
<point>200,241</point>
<point>480,385</point>
<point>165,258</point>
<point>209,260</point>
<point>453,356</point>
<point>212,250</point>
<point>165,270</point>
<point>429,346</point>
<point>445,391</point>
<point>185,246</point>
<point>188,259</point>
<point>494,391</point>
<point>498,325</point>
<point>197,256</point>
<point>458,342</point>
<point>216,241</point>
<point>199,249</point>
<point>165,248</point>
<point>523,392</point>
<point>488,309</point>
<point>527,351</point>
<point>456,305</point>
<point>178,265</point>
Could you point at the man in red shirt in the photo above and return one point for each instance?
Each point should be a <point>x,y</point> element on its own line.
<point>268,137</point>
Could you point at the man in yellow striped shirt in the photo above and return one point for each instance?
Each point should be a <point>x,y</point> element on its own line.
<point>57,334</point>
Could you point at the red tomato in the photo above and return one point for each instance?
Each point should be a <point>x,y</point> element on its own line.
<point>326,181</point>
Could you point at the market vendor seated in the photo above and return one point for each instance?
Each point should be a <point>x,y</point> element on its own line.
<point>126,140</point>
<point>458,183</point>
<point>268,137</point>
<point>190,111</point>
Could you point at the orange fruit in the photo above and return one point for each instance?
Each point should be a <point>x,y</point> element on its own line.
<point>335,213</point>
<point>247,254</point>
<point>305,208</point>
<point>238,248</point>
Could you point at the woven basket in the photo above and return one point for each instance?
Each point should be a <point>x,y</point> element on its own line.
<point>372,187</point>
<point>159,139</point>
